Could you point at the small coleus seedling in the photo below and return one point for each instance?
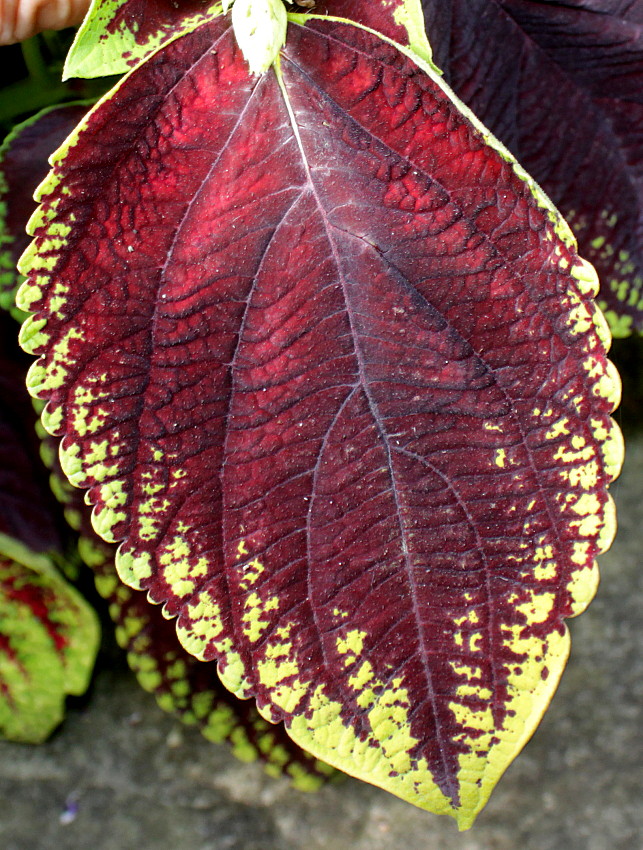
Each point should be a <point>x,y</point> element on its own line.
<point>327,362</point>
<point>187,688</point>
<point>48,633</point>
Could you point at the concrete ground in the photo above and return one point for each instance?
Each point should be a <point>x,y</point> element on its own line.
<point>121,775</point>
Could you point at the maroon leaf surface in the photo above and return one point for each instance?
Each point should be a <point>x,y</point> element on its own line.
<point>561,84</point>
<point>326,362</point>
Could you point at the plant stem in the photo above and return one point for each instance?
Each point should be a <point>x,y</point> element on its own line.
<point>34,61</point>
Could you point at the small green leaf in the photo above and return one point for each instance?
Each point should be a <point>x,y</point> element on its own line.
<point>48,641</point>
<point>118,34</point>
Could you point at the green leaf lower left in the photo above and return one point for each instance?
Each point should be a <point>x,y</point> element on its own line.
<point>48,641</point>
<point>118,34</point>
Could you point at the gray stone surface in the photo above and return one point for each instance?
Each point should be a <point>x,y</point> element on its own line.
<point>139,780</point>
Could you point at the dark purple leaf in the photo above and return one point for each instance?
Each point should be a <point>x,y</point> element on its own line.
<point>28,511</point>
<point>561,84</point>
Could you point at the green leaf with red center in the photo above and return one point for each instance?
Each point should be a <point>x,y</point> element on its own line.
<point>48,641</point>
<point>48,633</point>
<point>327,361</point>
<point>562,85</point>
<point>118,34</point>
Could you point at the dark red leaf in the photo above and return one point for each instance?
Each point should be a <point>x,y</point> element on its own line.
<point>326,361</point>
<point>561,84</point>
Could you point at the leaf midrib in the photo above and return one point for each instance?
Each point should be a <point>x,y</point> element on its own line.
<point>451,781</point>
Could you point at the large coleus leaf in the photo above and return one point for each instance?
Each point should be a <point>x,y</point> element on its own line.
<point>562,85</point>
<point>48,642</point>
<point>327,362</point>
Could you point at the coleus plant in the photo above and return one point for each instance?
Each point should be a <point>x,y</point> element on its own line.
<point>327,362</point>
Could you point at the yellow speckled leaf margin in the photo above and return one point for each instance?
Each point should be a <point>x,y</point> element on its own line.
<point>329,365</point>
